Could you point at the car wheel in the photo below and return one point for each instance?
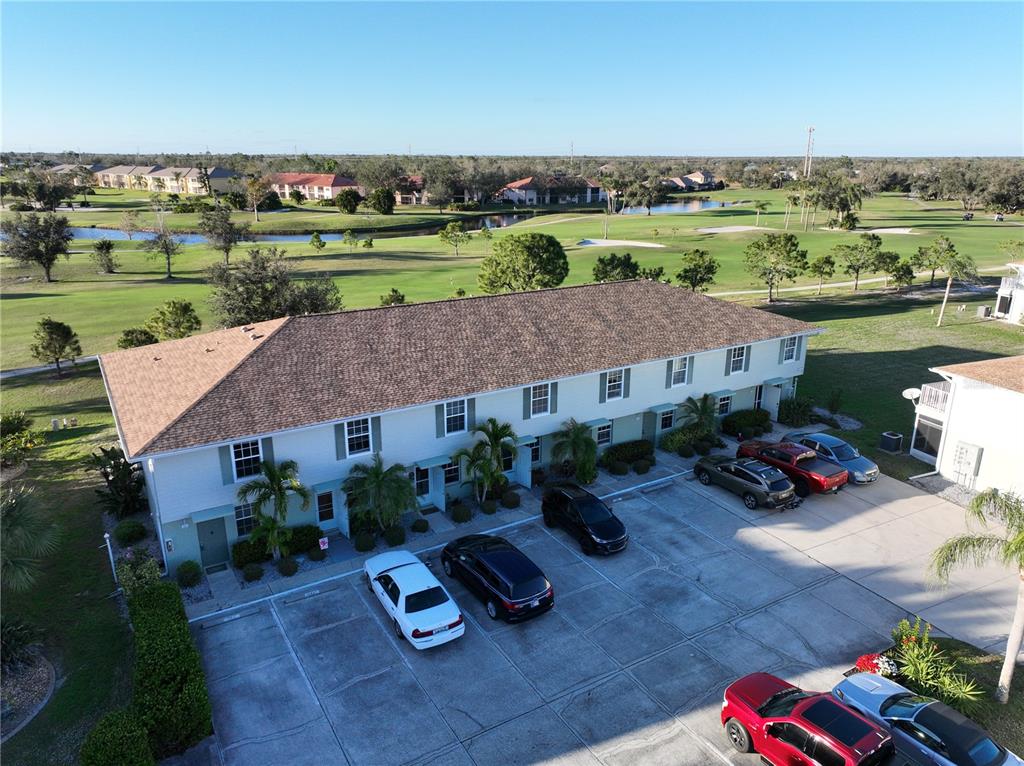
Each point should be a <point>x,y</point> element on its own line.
<point>398,630</point>
<point>587,546</point>
<point>548,521</point>
<point>446,564</point>
<point>703,477</point>
<point>492,610</point>
<point>738,735</point>
<point>369,583</point>
<point>802,488</point>
<point>749,500</point>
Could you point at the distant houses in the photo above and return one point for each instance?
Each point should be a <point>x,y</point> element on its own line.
<point>412,191</point>
<point>699,180</point>
<point>74,172</point>
<point>553,190</point>
<point>155,178</point>
<point>314,186</point>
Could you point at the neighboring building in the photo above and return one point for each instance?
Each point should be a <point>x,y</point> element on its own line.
<point>1010,297</point>
<point>73,171</point>
<point>411,192</point>
<point>970,425</point>
<point>126,177</point>
<point>155,178</point>
<point>553,190</point>
<point>410,382</point>
<point>700,180</point>
<point>312,185</point>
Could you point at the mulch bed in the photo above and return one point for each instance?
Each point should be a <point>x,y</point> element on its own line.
<point>24,691</point>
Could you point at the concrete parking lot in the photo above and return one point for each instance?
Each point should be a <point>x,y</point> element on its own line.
<point>628,668</point>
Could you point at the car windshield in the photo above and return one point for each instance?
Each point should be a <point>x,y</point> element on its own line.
<point>779,485</point>
<point>535,586</point>
<point>425,599</point>
<point>985,752</point>
<point>593,510</point>
<point>845,452</point>
<point>782,703</point>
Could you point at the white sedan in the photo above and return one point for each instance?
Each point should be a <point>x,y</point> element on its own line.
<point>421,610</point>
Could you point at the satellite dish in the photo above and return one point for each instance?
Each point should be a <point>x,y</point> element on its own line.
<point>911,393</point>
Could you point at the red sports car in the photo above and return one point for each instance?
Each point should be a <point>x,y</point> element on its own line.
<point>792,727</point>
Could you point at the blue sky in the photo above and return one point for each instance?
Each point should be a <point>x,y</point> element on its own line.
<point>517,78</point>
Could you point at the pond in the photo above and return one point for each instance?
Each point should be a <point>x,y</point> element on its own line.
<point>496,221</point>
<point>686,206</point>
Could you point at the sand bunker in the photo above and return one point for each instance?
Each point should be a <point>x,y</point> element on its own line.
<point>615,243</point>
<point>730,229</point>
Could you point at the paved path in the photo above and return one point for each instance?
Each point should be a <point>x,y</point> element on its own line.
<point>18,372</point>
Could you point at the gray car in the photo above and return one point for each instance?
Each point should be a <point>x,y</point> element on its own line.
<point>834,449</point>
<point>922,725</point>
<point>756,482</point>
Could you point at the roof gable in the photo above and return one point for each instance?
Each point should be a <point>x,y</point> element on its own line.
<point>1003,372</point>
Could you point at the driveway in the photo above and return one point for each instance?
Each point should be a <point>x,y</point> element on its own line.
<point>628,668</point>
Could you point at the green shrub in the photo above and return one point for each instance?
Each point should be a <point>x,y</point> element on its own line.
<point>489,506</point>
<point>685,450</point>
<point>15,447</point>
<point>364,541</point>
<point>168,689</point>
<point>905,631</point>
<point>835,400</point>
<point>287,566</point>
<point>718,442</point>
<point>247,552</point>
<point>421,526</point>
<point>628,452</point>
<point>20,207</point>
<point>129,532</point>
<point>465,206</point>
<point>117,738</point>
<point>18,642</point>
<point>745,421</point>
<point>677,437</point>
<point>538,476</point>
<point>305,538</point>
<point>618,468</point>
<point>316,554</point>
<point>394,535</point>
<point>189,574</point>
<point>702,448</point>
<point>510,499</point>
<point>14,423</point>
<point>136,571</point>
<point>642,466</point>
<point>252,572</point>
<point>461,513</point>
<point>795,411</point>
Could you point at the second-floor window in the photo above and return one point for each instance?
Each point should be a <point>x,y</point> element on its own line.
<point>789,350</point>
<point>737,358</point>
<point>540,399</point>
<point>455,416</point>
<point>604,435</point>
<point>357,436</point>
<point>246,458</point>
<point>613,388</point>
<point>680,368</point>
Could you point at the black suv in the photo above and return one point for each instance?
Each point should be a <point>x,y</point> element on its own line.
<point>511,586</point>
<point>585,517</point>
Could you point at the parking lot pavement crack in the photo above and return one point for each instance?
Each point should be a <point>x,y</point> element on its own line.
<point>353,680</point>
<point>251,668</point>
<point>283,734</point>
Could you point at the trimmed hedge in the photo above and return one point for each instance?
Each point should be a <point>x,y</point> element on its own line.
<point>316,554</point>
<point>129,532</point>
<point>489,506</point>
<point>246,552</point>
<point>169,693</point>
<point>642,466</point>
<point>628,452</point>
<point>745,421</point>
<point>117,738</point>
<point>364,541</point>
<point>305,538</point>
<point>421,526</point>
<point>685,450</point>
<point>252,572</point>
<point>677,437</point>
<point>461,513</point>
<point>702,448</point>
<point>189,574</point>
<point>618,468</point>
<point>394,535</point>
<point>511,499</point>
<point>287,566</point>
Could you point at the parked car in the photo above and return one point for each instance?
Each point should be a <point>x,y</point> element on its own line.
<point>933,729</point>
<point>756,482</point>
<point>421,610</point>
<point>792,727</point>
<point>509,584</point>
<point>585,517</point>
<point>861,470</point>
<point>808,472</point>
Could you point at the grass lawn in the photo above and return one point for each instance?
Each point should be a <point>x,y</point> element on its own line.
<point>877,345</point>
<point>82,630</point>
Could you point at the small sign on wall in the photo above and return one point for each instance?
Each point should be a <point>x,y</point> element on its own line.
<point>323,543</point>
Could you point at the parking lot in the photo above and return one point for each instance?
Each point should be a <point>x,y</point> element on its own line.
<point>628,668</point>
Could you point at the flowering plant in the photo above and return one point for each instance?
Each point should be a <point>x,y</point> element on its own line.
<point>876,663</point>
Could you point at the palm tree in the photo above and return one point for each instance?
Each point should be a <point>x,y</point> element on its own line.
<point>26,536</point>
<point>702,412</point>
<point>500,439</point>
<point>1005,545</point>
<point>274,487</point>
<point>379,493</point>
<point>792,200</point>
<point>480,469</point>
<point>760,206</point>
<point>956,266</point>
<point>575,444</point>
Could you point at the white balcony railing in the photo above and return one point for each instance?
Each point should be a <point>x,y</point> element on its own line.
<point>1008,284</point>
<point>935,396</point>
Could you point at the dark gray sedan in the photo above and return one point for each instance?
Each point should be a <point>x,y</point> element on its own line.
<point>759,484</point>
<point>834,449</point>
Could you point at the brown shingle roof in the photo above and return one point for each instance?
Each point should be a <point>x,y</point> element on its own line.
<point>327,367</point>
<point>1005,372</point>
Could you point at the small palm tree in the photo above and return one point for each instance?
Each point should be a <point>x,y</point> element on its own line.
<point>792,200</point>
<point>575,444</point>
<point>702,412</point>
<point>760,206</point>
<point>378,493</point>
<point>480,468</point>
<point>27,537</point>
<point>1004,544</point>
<point>274,487</point>
<point>500,439</point>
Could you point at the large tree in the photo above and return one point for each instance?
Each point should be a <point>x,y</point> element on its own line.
<point>773,258</point>
<point>382,200</point>
<point>380,172</point>
<point>133,337</point>
<point>927,259</point>
<point>612,267</point>
<point>54,341</point>
<point>823,267</point>
<point>163,245</point>
<point>348,201</point>
<point>957,266</point>
<point>698,270</point>
<point>645,194</point>
<point>442,178</point>
<point>36,239</point>
<point>864,255</point>
<point>46,189</point>
<point>173,320</point>
<point>1006,193</point>
<point>257,188</point>
<point>524,262</point>
<point>220,230</point>
<point>841,197</point>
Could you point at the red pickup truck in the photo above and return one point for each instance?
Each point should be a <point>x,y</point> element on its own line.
<point>808,472</point>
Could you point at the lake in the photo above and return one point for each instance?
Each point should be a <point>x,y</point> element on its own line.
<point>688,206</point>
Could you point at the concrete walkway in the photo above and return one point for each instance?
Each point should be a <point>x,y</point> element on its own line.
<point>19,371</point>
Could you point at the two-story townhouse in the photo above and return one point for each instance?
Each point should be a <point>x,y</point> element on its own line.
<point>553,190</point>
<point>410,382</point>
<point>314,186</point>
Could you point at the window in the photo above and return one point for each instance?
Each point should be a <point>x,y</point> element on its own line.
<point>325,506</point>
<point>680,369</point>
<point>927,436</point>
<point>789,350</point>
<point>246,458</point>
<point>724,404</point>
<point>452,474</point>
<point>613,387</point>
<point>535,452</point>
<point>455,416</point>
<point>540,399</point>
<point>422,482</point>
<point>737,359</point>
<point>357,436</point>
<point>604,435</point>
<point>758,397</point>
<point>667,420</point>
<point>508,459</point>
<point>245,518</point>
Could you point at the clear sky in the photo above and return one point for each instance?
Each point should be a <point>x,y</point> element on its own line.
<point>515,78</point>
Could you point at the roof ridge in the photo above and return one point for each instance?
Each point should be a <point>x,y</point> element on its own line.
<point>224,377</point>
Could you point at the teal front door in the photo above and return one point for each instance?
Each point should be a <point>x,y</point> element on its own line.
<point>213,542</point>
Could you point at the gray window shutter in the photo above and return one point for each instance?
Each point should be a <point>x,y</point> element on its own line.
<point>375,433</point>
<point>799,346</point>
<point>470,414</point>
<point>553,400</point>
<point>527,402</point>
<point>340,445</point>
<point>439,419</point>
<point>728,362</point>
<point>782,351</point>
<point>625,384</point>
<point>689,369</point>
<point>227,471</point>
<point>668,373</point>
<point>602,393</point>
<point>267,450</point>
<point>746,359</point>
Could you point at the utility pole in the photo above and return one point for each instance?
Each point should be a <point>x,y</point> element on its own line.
<point>572,155</point>
<point>809,154</point>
